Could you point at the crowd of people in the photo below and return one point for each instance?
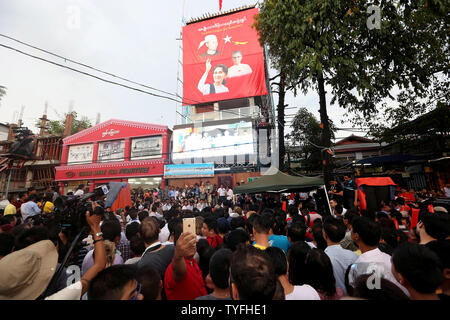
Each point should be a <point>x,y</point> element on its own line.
<point>245,247</point>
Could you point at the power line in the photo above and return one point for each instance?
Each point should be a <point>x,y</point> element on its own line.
<point>88,74</point>
<point>87,66</point>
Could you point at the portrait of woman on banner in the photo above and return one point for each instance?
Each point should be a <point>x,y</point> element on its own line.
<point>219,74</point>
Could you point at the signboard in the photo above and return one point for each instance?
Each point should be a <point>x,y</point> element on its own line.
<point>80,154</point>
<point>146,148</point>
<point>222,59</point>
<point>213,141</point>
<point>111,151</point>
<point>145,168</point>
<point>189,170</point>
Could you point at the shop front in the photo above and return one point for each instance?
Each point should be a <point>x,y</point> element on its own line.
<point>115,150</point>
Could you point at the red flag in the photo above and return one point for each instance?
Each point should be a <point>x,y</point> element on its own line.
<point>220,5</point>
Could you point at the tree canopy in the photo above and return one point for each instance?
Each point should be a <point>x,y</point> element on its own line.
<point>337,44</point>
<point>57,126</point>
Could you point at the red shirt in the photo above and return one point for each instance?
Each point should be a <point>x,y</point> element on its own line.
<point>190,288</point>
<point>215,241</point>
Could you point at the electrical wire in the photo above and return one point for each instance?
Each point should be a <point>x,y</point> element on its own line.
<point>96,69</point>
<point>88,74</point>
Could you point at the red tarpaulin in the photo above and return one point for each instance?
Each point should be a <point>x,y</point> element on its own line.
<point>222,59</point>
<point>123,199</point>
<point>372,182</point>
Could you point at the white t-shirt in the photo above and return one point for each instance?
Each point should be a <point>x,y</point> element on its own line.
<point>376,256</point>
<point>72,292</point>
<point>164,234</point>
<point>304,292</point>
<point>79,192</point>
<point>230,194</point>
<point>222,192</point>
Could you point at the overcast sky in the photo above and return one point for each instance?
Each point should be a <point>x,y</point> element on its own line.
<point>135,39</point>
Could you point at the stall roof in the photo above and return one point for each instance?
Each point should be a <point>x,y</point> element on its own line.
<point>276,181</point>
<point>396,158</point>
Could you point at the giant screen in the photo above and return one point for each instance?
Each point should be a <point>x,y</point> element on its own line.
<point>222,59</point>
<point>213,141</point>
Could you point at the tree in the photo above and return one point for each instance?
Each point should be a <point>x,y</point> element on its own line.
<point>319,43</point>
<point>305,139</point>
<point>57,127</point>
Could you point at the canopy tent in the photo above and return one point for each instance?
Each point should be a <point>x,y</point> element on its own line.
<point>276,181</point>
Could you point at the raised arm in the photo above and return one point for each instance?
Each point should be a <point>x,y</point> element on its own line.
<point>202,86</point>
<point>99,251</point>
<point>185,247</point>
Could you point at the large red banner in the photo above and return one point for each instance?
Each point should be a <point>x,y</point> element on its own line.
<point>222,59</point>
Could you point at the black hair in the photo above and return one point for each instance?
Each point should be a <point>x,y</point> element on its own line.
<point>223,226</point>
<point>109,283</point>
<point>6,244</point>
<point>155,206</point>
<point>205,252</point>
<point>279,292</point>
<point>279,225</point>
<point>279,260</point>
<point>368,230</point>
<point>334,229</point>
<point>219,267</point>
<point>237,222</point>
<point>317,234</point>
<point>437,225</point>
<point>263,222</point>
<point>211,222</point>
<point>142,215</point>
<point>111,229</point>
<point>30,236</point>
<point>297,231</point>
<point>296,259</point>
<point>137,246</point>
<point>150,279</point>
<point>442,250</point>
<point>234,238</point>
<point>388,291</point>
<point>132,229</point>
<point>252,272</point>
<point>319,271</point>
<point>133,213</point>
<point>419,265</point>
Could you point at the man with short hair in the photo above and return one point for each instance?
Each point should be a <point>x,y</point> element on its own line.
<point>156,254</point>
<point>261,229</point>
<point>433,226</point>
<point>218,277</point>
<point>238,69</point>
<point>10,208</point>
<point>366,233</point>
<point>222,193</point>
<point>252,275</point>
<point>116,283</point>
<point>30,208</point>
<point>333,232</point>
<point>418,269</point>
<point>209,230</point>
<point>350,193</point>
<point>183,279</point>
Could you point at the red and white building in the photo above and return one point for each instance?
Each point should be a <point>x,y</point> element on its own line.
<point>115,150</point>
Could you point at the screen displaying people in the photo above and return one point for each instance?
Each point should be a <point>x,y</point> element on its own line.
<point>213,141</point>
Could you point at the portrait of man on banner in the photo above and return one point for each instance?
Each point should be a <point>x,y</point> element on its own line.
<point>222,59</point>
